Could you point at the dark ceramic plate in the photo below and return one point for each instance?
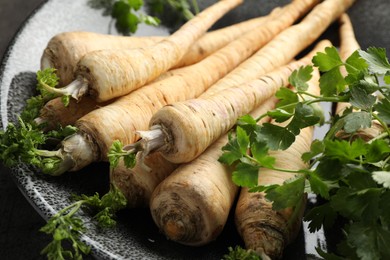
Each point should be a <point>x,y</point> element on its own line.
<point>136,236</point>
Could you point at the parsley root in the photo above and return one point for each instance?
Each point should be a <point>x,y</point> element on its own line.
<point>191,206</point>
<point>106,74</point>
<point>286,45</point>
<point>184,83</point>
<point>138,183</point>
<point>64,50</point>
<point>54,113</point>
<point>264,229</point>
<point>183,130</point>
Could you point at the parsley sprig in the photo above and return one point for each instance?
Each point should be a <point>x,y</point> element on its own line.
<point>126,14</point>
<point>238,253</point>
<point>351,174</point>
<point>118,151</point>
<point>47,86</point>
<point>66,226</point>
<point>25,143</point>
<point>25,140</point>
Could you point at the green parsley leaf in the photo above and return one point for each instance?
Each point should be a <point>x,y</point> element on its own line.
<point>127,16</point>
<point>276,136</point>
<point>328,60</point>
<point>377,150</point>
<point>279,115</point>
<point>65,225</point>
<point>371,241</point>
<point>286,97</point>
<point>300,77</point>
<point>376,59</point>
<point>356,121</point>
<point>362,205</point>
<point>356,67</point>
<point>321,215</point>
<point>332,83</point>
<point>117,152</point>
<point>318,186</point>
<point>287,195</point>
<point>331,169</point>
<point>47,79</point>
<point>242,139</point>
<point>231,152</point>
<point>345,151</point>
<point>245,174</point>
<point>383,108</point>
<point>238,253</point>
<point>32,109</point>
<point>304,116</point>
<point>259,151</point>
<point>316,148</point>
<point>361,99</point>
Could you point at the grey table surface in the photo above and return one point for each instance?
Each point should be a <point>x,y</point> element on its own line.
<point>19,222</point>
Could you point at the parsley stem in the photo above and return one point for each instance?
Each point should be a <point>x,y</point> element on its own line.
<point>326,99</point>
<point>273,168</point>
<point>47,153</point>
<point>384,125</point>
<point>286,170</point>
<point>196,6</point>
<point>350,68</point>
<point>76,88</point>
<point>381,136</point>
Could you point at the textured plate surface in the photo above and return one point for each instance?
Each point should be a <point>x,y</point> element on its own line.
<point>135,237</point>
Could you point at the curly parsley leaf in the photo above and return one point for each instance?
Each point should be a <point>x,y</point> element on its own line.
<point>117,152</point>
<point>66,226</point>
<point>32,109</point>
<point>47,80</point>
<point>238,253</point>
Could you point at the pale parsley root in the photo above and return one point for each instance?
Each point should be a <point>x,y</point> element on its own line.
<point>352,176</point>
